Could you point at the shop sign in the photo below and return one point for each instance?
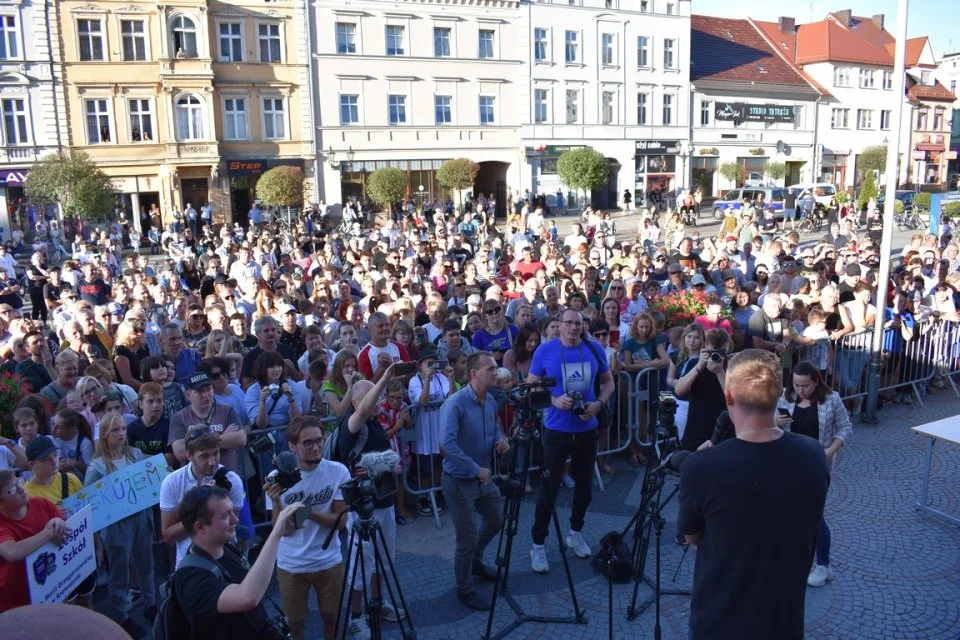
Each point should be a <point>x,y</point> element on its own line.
<point>236,168</point>
<point>13,177</point>
<point>551,149</point>
<point>919,155</point>
<point>285,162</point>
<point>730,111</point>
<point>657,147</point>
<point>124,185</point>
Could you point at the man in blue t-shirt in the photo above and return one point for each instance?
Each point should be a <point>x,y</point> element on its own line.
<point>583,385</point>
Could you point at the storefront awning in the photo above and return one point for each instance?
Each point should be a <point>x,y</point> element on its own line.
<point>13,177</point>
<point>929,146</point>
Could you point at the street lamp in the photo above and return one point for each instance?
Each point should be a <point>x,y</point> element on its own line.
<point>340,165</point>
<point>683,153</point>
<point>332,158</point>
<point>350,154</point>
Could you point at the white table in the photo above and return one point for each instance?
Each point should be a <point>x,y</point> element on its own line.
<point>947,430</point>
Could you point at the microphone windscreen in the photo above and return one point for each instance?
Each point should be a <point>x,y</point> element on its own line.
<point>286,462</point>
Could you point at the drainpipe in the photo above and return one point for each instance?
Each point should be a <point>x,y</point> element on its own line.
<point>53,75</point>
<point>314,102</point>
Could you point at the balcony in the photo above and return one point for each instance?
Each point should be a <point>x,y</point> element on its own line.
<point>23,155</point>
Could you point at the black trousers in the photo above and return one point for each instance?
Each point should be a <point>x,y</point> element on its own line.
<point>581,448</point>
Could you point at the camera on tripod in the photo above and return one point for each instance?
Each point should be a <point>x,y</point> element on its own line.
<point>359,490</point>
<point>667,412</point>
<point>532,396</point>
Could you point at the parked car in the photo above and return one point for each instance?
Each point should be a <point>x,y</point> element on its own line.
<point>772,197</point>
<point>906,197</point>
<point>823,192</point>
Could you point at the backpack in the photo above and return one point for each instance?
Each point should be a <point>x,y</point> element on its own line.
<point>171,623</point>
<point>336,446</point>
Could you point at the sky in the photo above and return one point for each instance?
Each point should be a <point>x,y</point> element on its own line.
<point>925,17</point>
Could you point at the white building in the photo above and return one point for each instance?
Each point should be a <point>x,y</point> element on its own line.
<point>948,73</point>
<point>32,104</point>
<point>411,84</point>
<point>759,111</point>
<point>612,75</point>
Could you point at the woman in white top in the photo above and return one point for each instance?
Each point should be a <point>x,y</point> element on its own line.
<point>427,390</point>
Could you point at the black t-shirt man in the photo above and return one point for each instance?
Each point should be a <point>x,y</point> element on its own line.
<point>377,440</point>
<point>758,506</point>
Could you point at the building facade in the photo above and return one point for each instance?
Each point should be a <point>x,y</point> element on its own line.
<point>612,75</point>
<point>948,73</point>
<point>164,97</point>
<point>30,101</point>
<point>931,113</point>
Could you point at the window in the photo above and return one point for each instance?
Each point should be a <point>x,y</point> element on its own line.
<point>644,6</point>
<point>485,46</point>
<point>184,37</point>
<point>938,119</point>
<point>189,113</point>
<point>606,49</point>
<point>864,118</point>
<point>487,110</point>
<point>141,120</point>
<point>90,36</point>
<point>839,118</point>
<point>98,121</point>
<point>231,42</point>
<point>885,117</point>
<point>705,108</point>
<point>668,57</point>
<point>643,99</point>
<point>572,49</point>
<point>671,8</point>
<point>540,104</point>
<point>573,106</point>
<point>235,118</point>
<point>924,77</point>
<point>349,113</point>
<point>539,45</point>
<point>441,110</point>
<point>397,107</point>
<point>643,51</point>
<point>888,80</point>
<point>394,40</point>
<point>274,119</point>
<point>15,122</point>
<point>441,42</point>
<point>667,109</point>
<point>607,106</point>
<point>841,77</point>
<point>346,38</point>
<point>268,36</point>
<point>953,87</point>
<point>8,38</point>
<point>134,40</point>
<point>921,119</point>
<point>866,78</point>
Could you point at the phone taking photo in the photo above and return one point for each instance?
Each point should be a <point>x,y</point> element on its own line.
<point>785,413</point>
<point>301,515</point>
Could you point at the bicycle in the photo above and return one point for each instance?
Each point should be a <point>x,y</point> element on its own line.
<point>811,223</point>
<point>907,220</point>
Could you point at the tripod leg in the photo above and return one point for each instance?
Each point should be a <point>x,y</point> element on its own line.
<point>566,566</point>
<point>371,606</point>
<point>349,579</point>
<point>389,578</point>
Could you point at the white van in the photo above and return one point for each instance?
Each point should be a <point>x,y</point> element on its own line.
<point>822,191</point>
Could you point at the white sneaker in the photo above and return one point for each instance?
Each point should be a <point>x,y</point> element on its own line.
<point>538,559</point>
<point>389,614</point>
<point>819,575</point>
<point>359,629</point>
<point>575,542</point>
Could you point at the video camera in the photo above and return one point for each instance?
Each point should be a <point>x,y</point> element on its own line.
<point>378,482</point>
<point>532,396</point>
<point>667,413</point>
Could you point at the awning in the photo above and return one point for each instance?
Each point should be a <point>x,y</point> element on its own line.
<point>13,176</point>
<point>929,146</point>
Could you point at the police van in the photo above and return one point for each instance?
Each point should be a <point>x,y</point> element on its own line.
<point>772,199</point>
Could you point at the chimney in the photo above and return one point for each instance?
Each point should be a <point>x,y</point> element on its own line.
<point>787,25</point>
<point>878,20</point>
<point>844,16</point>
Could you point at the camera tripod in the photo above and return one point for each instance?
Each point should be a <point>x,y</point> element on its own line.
<point>525,438</point>
<point>366,530</point>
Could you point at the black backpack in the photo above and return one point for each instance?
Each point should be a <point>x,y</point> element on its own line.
<point>171,623</point>
<point>338,446</point>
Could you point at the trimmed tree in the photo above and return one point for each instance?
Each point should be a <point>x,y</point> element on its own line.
<point>281,187</point>
<point>458,174</point>
<point>776,170</point>
<point>734,172</point>
<point>867,190</point>
<point>922,200</point>
<point>74,183</point>
<point>386,186</point>
<point>583,169</point>
<point>873,159</point>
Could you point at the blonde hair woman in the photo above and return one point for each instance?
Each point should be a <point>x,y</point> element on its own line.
<point>129,348</point>
<point>221,345</point>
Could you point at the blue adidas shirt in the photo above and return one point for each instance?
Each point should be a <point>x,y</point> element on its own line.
<point>575,369</point>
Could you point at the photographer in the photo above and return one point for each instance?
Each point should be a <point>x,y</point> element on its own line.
<point>302,562</point>
<point>753,504</point>
<point>571,427</point>
<point>470,435</point>
<point>225,604</point>
<point>270,399</point>
<point>702,385</point>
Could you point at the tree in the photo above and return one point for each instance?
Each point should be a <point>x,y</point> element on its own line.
<point>776,170</point>
<point>868,190</point>
<point>922,200</point>
<point>873,159</point>
<point>734,172</point>
<point>458,174</point>
<point>73,182</point>
<point>281,187</point>
<point>583,169</point>
<point>387,185</point>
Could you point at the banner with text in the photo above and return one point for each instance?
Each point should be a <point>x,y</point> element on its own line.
<point>54,571</point>
<point>121,494</point>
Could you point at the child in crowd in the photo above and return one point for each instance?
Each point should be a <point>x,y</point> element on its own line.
<point>675,343</point>
<point>393,417</point>
<point>74,441</point>
<point>818,350</point>
<point>158,369</point>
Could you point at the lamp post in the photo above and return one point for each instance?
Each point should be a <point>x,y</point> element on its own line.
<point>332,159</point>
<point>683,154</point>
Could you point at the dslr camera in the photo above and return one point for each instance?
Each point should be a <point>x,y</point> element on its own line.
<point>717,355</point>
<point>579,407</point>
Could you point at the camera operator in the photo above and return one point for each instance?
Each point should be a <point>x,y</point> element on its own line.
<point>470,435</point>
<point>302,562</point>
<point>702,386</point>
<point>584,385</point>
<point>225,605</point>
<point>753,504</point>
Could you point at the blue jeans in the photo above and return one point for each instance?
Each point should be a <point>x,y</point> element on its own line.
<point>850,366</point>
<point>823,544</point>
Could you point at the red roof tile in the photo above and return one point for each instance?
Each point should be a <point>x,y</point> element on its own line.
<point>827,40</point>
<point>866,29</point>
<point>786,45</point>
<point>927,92</point>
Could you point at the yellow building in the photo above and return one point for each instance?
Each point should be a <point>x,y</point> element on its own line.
<point>187,102</point>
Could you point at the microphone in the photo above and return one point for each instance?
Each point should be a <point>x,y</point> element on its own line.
<point>286,462</point>
<point>721,429</point>
<point>673,461</point>
<point>374,463</point>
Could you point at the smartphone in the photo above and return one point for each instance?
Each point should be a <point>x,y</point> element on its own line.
<point>785,413</point>
<point>302,514</point>
<point>405,368</point>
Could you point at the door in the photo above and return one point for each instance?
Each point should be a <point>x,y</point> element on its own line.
<point>194,192</point>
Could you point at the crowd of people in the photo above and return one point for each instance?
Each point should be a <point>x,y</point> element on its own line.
<point>296,329</point>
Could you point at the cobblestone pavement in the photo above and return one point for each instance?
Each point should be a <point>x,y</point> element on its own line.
<point>897,570</point>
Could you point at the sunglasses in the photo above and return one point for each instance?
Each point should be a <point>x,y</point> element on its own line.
<point>197,433</point>
<point>494,311</point>
<point>310,444</point>
<point>617,288</point>
<point>600,334</point>
<point>215,375</point>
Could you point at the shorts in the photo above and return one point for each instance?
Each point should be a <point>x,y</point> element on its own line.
<point>295,589</point>
<point>386,516</point>
<point>245,529</point>
<point>789,214</point>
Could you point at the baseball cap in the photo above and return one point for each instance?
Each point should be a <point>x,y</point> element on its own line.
<point>285,308</point>
<point>40,448</point>
<point>427,354</point>
<point>731,237</point>
<point>697,279</point>
<point>726,274</point>
<point>196,381</point>
<point>854,269</point>
<point>115,309</point>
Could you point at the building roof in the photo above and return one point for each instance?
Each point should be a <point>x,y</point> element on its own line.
<point>828,40</point>
<point>785,43</point>
<point>734,50</point>
<point>865,28</point>
<point>936,91</point>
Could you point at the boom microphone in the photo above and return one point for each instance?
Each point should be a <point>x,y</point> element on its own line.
<point>374,463</point>
<point>721,429</point>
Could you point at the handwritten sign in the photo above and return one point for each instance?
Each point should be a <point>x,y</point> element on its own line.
<point>121,494</point>
<point>54,571</point>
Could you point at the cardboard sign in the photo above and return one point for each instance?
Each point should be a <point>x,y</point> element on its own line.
<point>54,571</point>
<point>121,494</point>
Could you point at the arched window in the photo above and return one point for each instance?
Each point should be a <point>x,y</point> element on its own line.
<point>184,33</point>
<point>189,118</point>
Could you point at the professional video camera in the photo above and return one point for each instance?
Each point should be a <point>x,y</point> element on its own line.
<point>532,396</point>
<point>667,413</point>
<point>378,482</point>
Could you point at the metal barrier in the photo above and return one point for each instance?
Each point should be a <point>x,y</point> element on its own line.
<point>429,463</point>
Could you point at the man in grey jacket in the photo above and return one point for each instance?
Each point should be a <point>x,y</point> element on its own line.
<point>471,433</point>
